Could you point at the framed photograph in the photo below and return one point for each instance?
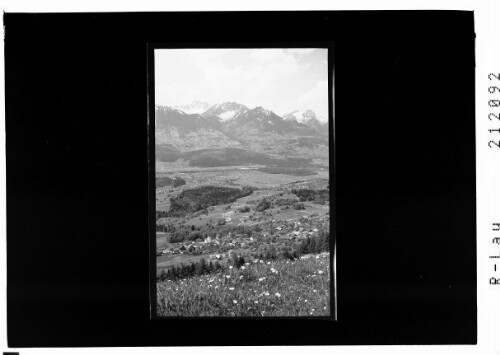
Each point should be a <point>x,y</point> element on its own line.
<point>246,178</point>
<point>241,181</point>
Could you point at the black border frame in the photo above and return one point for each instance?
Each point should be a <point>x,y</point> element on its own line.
<point>151,47</point>
<point>76,91</point>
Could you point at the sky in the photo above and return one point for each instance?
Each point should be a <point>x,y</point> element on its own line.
<point>278,79</point>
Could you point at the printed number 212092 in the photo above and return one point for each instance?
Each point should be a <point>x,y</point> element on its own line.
<point>492,103</point>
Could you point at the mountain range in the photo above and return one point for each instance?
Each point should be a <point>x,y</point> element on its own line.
<point>309,118</point>
<point>230,125</point>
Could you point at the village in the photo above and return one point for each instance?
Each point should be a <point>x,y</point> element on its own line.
<point>275,235</point>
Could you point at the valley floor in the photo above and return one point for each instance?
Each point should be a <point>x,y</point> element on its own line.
<point>257,261</point>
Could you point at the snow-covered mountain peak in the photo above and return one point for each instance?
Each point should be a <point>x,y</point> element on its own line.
<point>225,111</point>
<point>169,109</point>
<point>263,111</point>
<point>304,116</point>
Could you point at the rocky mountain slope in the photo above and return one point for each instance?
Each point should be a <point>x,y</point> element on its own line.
<point>232,125</point>
<point>310,119</point>
<point>225,111</point>
<point>187,132</point>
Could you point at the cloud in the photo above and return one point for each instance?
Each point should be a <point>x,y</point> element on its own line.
<point>301,52</point>
<point>252,77</point>
<point>273,77</point>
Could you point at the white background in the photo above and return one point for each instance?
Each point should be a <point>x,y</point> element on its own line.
<point>487,25</point>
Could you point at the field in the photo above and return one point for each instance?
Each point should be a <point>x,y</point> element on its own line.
<point>258,288</point>
<point>242,240</point>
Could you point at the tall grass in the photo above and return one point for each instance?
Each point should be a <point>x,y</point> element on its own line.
<point>259,288</point>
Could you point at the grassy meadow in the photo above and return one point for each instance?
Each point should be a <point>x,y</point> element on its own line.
<point>299,287</point>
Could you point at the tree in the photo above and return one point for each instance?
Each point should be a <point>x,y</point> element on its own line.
<point>203,266</point>
<point>234,260</point>
<point>199,268</point>
<point>244,209</point>
<point>194,235</point>
<point>182,271</point>
<point>175,238</point>
<point>272,251</point>
<point>324,241</point>
<point>299,206</point>
<point>286,254</point>
<point>313,245</point>
<point>306,245</point>
<point>262,205</point>
<point>174,272</point>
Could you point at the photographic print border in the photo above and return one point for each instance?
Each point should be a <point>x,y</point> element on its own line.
<point>76,89</point>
